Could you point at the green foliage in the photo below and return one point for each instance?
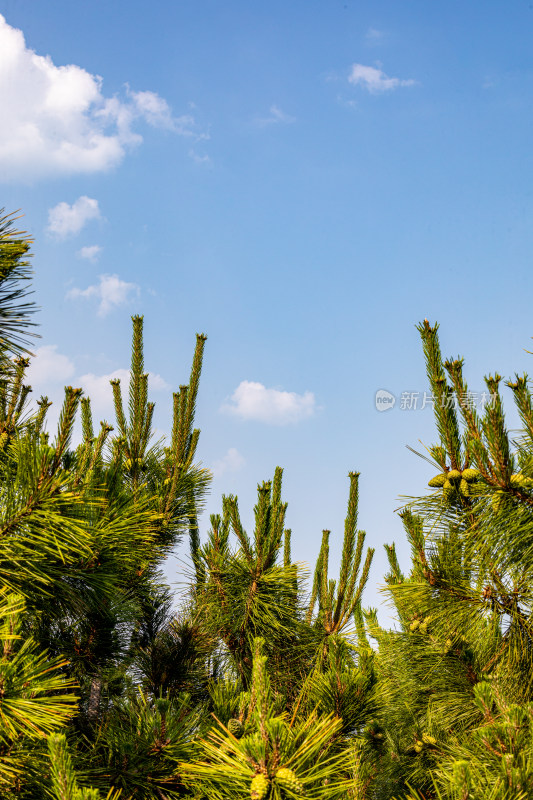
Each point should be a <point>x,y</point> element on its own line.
<point>15,273</point>
<point>63,777</point>
<point>35,696</point>
<point>254,683</point>
<point>82,533</point>
<point>140,743</point>
<point>245,592</point>
<point>497,760</point>
<point>276,756</point>
<point>454,680</point>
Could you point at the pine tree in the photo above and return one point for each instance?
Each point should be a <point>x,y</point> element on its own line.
<point>64,780</point>
<point>16,310</point>
<point>455,679</point>
<point>292,687</point>
<point>260,685</point>
<point>274,755</point>
<point>83,533</point>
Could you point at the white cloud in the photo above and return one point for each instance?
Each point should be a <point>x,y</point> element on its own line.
<point>49,367</point>
<point>111,292</point>
<point>156,382</point>
<point>252,400</point>
<point>375,80</point>
<point>65,220</point>
<point>275,117</point>
<point>98,388</point>
<point>60,122</point>
<point>231,462</point>
<point>91,252</point>
<point>156,111</point>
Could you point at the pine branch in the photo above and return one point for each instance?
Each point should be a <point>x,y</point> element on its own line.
<point>445,416</point>
<point>15,274</point>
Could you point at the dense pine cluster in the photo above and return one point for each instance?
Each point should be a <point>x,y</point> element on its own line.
<point>257,682</point>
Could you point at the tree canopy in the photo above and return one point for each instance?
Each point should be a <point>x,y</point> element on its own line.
<point>258,683</point>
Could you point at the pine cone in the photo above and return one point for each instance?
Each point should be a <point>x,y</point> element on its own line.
<point>259,787</point>
<point>427,739</point>
<point>235,727</point>
<point>287,780</point>
<point>438,480</point>
<point>448,492</point>
<point>454,476</point>
<point>464,488</point>
<point>470,475</point>
<point>497,500</point>
<point>520,481</point>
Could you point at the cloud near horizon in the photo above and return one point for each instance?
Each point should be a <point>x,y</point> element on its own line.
<point>60,122</point>
<point>111,292</point>
<point>374,80</point>
<point>253,401</point>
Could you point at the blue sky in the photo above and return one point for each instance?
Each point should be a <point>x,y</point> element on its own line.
<point>303,182</point>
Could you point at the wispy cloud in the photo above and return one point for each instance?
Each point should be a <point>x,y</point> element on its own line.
<point>65,220</point>
<point>91,252</point>
<point>110,292</point>
<point>374,80</point>
<point>276,116</point>
<point>233,461</point>
<point>199,159</point>
<point>253,401</point>
<point>59,120</point>
<point>373,35</point>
